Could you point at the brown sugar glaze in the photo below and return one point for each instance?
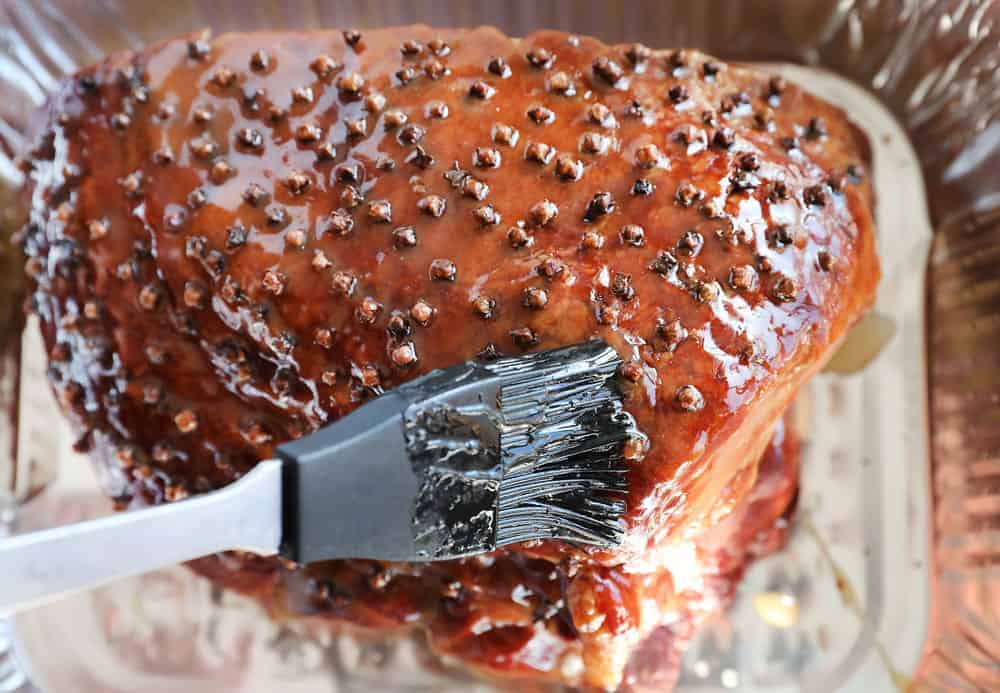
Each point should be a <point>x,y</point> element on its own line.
<point>235,241</point>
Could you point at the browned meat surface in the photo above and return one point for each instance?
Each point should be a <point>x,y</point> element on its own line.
<point>235,241</point>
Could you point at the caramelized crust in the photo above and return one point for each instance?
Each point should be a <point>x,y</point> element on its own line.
<point>235,241</point>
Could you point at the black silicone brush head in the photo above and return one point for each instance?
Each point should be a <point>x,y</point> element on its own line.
<point>537,455</point>
<point>466,459</point>
<point>562,444</point>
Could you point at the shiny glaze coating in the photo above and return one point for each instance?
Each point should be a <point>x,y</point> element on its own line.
<point>234,241</point>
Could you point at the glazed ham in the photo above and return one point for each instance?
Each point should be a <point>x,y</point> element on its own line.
<point>234,241</point>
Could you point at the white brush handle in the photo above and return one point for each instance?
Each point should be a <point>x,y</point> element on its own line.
<point>38,566</point>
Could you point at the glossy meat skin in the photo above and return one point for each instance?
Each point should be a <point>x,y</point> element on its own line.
<point>235,241</point>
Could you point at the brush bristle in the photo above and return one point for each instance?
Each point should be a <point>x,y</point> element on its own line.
<point>562,438</point>
<point>518,449</point>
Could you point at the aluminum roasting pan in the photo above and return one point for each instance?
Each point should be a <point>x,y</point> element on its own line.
<point>864,493</point>
<point>934,65</point>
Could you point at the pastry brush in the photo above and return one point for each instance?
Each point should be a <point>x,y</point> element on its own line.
<point>454,463</point>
